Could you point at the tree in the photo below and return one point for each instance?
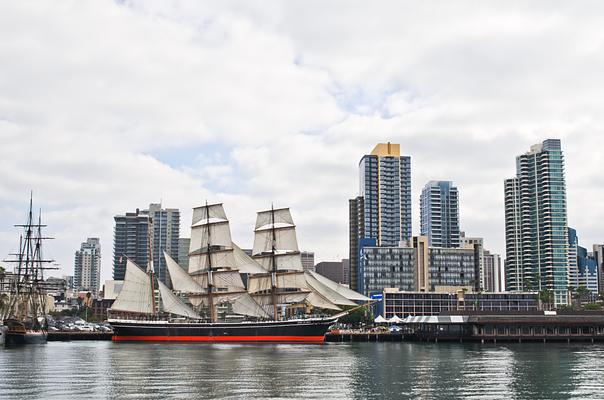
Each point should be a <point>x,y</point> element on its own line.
<point>546,297</point>
<point>357,317</point>
<point>582,293</point>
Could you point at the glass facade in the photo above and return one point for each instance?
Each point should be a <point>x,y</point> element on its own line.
<point>439,214</point>
<point>536,222</point>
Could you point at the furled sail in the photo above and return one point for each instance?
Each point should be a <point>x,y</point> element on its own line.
<point>244,263</point>
<point>181,280</point>
<point>172,304</point>
<point>136,294</point>
<point>338,287</point>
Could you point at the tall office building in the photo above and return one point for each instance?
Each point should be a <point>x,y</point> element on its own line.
<point>87,266</point>
<point>494,276</point>
<point>476,243</point>
<point>439,214</point>
<point>381,214</point>
<point>598,256</point>
<point>536,222</point>
<point>582,266</point>
<point>166,232</point>
<point>130,240</point>
<point>183,253</point>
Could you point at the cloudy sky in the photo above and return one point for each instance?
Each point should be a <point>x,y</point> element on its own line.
<point>109,106</point>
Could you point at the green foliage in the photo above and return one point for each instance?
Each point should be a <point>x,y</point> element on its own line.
<point>357,317</point>
<point>593,306</point>
<point>546,296</point>
<point>566,307</point>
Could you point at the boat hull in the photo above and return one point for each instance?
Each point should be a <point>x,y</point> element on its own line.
<point>20,338</point>
<point>298,331</point>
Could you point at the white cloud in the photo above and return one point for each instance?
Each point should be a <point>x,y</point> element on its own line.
<point>276,102</point>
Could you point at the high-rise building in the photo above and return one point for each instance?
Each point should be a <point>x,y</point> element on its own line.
<point>183,253</point>
<point>308,260</point>
<point>166,232</point>
<point>87,266</point>
<point>130,240</point>
<point>494,275</point>
<point>598,256</point>
<point>381,214</point>
<point>536,222</point>
<point>439,214</point>
<point>582,266</point>
<point>132,234</point>
<point>476,243</point>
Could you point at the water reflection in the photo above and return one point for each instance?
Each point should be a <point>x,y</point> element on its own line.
<point>105,370</point>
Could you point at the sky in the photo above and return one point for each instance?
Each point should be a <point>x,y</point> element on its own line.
<point>106,107</point>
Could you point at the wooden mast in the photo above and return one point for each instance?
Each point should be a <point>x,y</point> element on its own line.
<point>210,282</point>
<point>274,265</point>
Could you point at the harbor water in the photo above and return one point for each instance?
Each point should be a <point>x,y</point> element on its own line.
<point>107,370</point>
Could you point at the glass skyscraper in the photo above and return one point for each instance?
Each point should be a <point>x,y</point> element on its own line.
<point>439,214</point>
<point>536,222</point>
<point>381,214</point>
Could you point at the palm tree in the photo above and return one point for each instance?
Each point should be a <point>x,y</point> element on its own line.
<point>582,293</point>
<point>546,297</point>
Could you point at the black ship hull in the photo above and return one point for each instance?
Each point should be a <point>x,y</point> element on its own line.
<point>20,338</point>
<point>293,331</point>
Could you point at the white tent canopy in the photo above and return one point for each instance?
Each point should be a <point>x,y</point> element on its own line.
<point>395,320</point>
<point>380,320</point>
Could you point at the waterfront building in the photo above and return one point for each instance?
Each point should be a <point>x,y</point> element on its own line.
<point>308,260</point>
<point>418,267</point>
<point>56,287</point>
<point>87,267</point>
<point>411,303</point>
<point>334,270</point>
<point>439,214</point>
<point>381,214</point>
<point>582,266</point>
<point>536,222</point>
<point>573,267</point>
<point>130,240</point>
<point>494,275</point>
<point>183,253</point>
<point>598,256</point>
<point>133,232</point>
<point>476,243</point>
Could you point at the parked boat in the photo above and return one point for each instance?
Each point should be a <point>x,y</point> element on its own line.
<point>25,315</point>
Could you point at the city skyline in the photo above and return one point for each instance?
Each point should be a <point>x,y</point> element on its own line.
<point>103,135</point>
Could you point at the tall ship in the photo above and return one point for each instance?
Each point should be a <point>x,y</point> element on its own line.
<point>24,309</point>
<point>228,295</point>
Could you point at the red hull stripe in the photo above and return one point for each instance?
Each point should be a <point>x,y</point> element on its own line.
<point>283,339</point>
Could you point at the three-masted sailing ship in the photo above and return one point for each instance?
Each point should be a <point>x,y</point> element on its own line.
<point>25,315</point>
<point>227,295</point>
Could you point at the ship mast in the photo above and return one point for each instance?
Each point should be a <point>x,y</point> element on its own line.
<point>274,264</point>
<point>210,282</point>
<point>150,269</point>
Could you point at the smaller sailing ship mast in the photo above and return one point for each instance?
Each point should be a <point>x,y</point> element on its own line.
<point>28,299</point>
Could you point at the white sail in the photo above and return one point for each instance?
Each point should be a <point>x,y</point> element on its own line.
<point>282,298</point>
<point>286,280</point>
<point>327,293</point>
<point>213,212</point>
<point>339,288</point>
<point>281,216</point>
<point>172,304</point>
<point>284,261</point>
<point>230,280</point>
<point>244,263</point>
<point>316,300</point>
<point>181,280</point>
<point>136,294</point>
<point>285,240</point>
<point>219,258</point>
<point>214,234</point>
<point>241,303</point>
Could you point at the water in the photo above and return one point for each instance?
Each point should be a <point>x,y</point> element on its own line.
<point>106,370</point>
